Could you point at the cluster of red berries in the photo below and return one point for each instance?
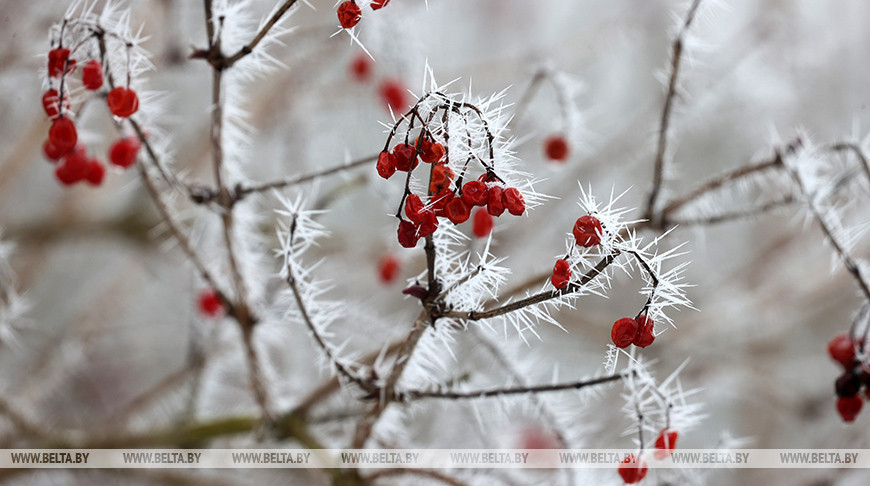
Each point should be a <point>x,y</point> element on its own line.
<point>848,385</point>
<point>391,91</point>
<point>634,469</point>
<point>209,303</point>
<point>349,13</point>
<point>628,331</point>
<point>587,233</point>
<point>556,148</point>
<point>62,147</point>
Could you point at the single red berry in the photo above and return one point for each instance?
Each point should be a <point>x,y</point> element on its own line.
<point>556,147</point>
<point>51,152</point>
<point>123,152</point>
<point>209,303</point>
<point>623,332</point>
<point>408,234</point>
<point>95,172</point>
<point>406,157</point>
<point>644,336</point>
<point>587,231</point>
<point>561,274</point>
<point>349,14</point>
<point>849,407</point>
<point>92,75</point>
<point>379,4</point>
<point>394,95</point>
<point>432,152</point>
<point>666,442</point>
<point>57,59</point>
<point>534,437</point>
<point>63,134</point>
<point>50,103</point>
<point>633,470</point>
<point>495,201</point>
<point>413,207</point>
<point>361,68</point>
<point>457,211</point>
<point>442,176</point>
<point>74,166</point>
<point>388,269</point>
<point>514,201</point>
<point>122,102</point>
<point>475,193</point>
<point>482,223</point>
<point>842,350</point>
<point>386,165</point>
<point>428,223</point>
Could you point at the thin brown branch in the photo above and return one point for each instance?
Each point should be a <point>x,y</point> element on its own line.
<point>855,149</point>
<point>272,22</point>
<point>497,392</point>
<point>735,215</point>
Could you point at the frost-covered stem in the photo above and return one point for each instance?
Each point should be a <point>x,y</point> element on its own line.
<point>665,120</point>
<point>255,374</point>
<point>855,149</point>
<point>416,472</point>
<point>527,96</point>
<point>273,20</point>
<point>741,214</point>
<point>497,392</point>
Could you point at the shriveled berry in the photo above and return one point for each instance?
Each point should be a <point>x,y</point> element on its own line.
<point>51,152</point>
<point>428,223</point>
<point>475,193</point>
<point>644,336</point>
<point>209,303</point>
<point>665,444</point>
<point>632,470</point>
<point>849,407</point>
<point>413,207</point>
<point>561,274</point>
<point>556,148</point>
<point>514,201</point>
<point>623,331</point>
<point>482,223</point>
<point>63,134</point>
<point>361,68</point>
<point>123,152</point>
<point>51,105</point>
<point>457,211</point>
<point>842,350</point>
<point>408,234</point>
<point>379,4</point>
<point>57,59</point>
<point>847,385</point>
<point>432,152</point>
<point>388,269</point>
<point>406,157</point>
<point>495,201</point>
<point>122,102</point>
<point>587,231</point>
<point>417,291</point>
<point>92,75</point>
<point>442,176</point>
<point>349,14</point>
<point>394,95</point>
<point>386,165</point>
<point>441,199</point>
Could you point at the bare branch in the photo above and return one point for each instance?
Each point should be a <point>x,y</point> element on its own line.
<point>497,392</point>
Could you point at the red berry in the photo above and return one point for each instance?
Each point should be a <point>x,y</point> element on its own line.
<point>442,176</point>
<point>428,223</point>
<point>123,152</point>
<point>57,59</point>
<point>379,4</point>
<point>413,207</point>
<point>514,201</point>
<point>623,332</point>
<point>408,234</point>
<point>633,470</point>
<point>95,172</point>
<point>209,304</point>
<point>842,350</point>
<point>361,68</point>
<point>556,147</point>
<point>644,336</point>
<point>587,231</point>
<point>51,152</point>
<point>122,102</point>
<point>482,223</point>
<point>74,166</point>
<point>386,165</point>
<point>848,384</point>
<point>666,442</point>
<point>393,95</point>
<point>92,75</point>
<point>63,134</point>
<point>495,201</point>
<point>457,211</point>
<point>475,193</point>
<point>561,274</point>
<point>50,103</point>
<point>406,157</point>
<point>441,199</point>
<point>849,407</point>
<point>388,269</point>
<point>432,152</point>
<point>349,14</point>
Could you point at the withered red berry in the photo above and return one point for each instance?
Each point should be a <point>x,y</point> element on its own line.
<point>842,350</point>
<point>442,176</point>
<point>495,201</point>
<point>92,75</point>
<point>388,269</point>
<point>623,331</point>
<point>847,385</point>
<point>123,152</point>
<point>475,193</point>
<point>379,4</point>
<point>63,134</point>
<point>428,223</point>
<point>633,470</point>
<point>482,223</point>
<point>393,95</point>
<point>556,148</point>
<point>413,207</point>
<point>57,59</point>
<point>386,165</point>
<point>457,211</point>
<point>209,303</point>
<point>408,234</point>
<point>441,199</point>
<point>432,152</point>
<point>95,172</point>
<point>644,336</point>
<point>361,68</point>
<point>514,201</point>
<point>51,152</point>
<point>849,407</point>
<point>349,14</point>
<point>122,102</point>
<point>665,444</point>
<point>561,274</point>
<point>587,231</point>
<point>51,105</point>
<point>406,157</point>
